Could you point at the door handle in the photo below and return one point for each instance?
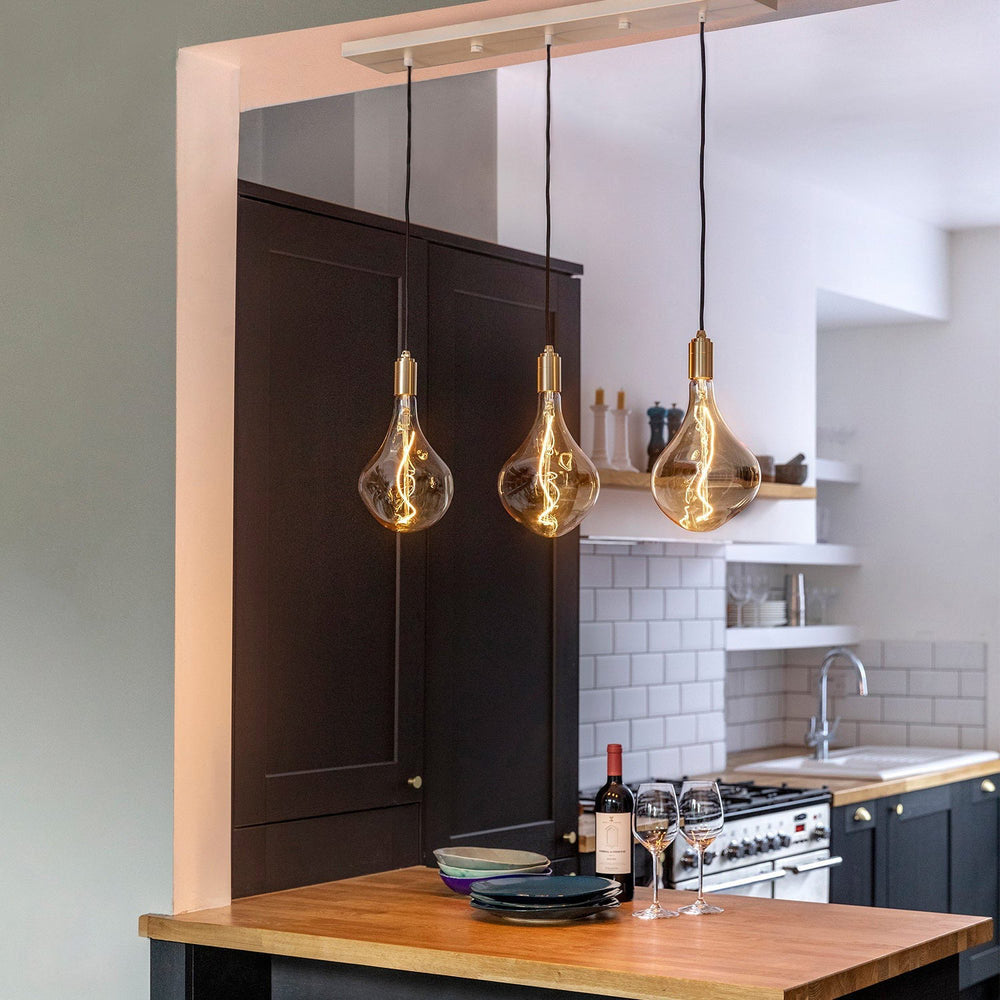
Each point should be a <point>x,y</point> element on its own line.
<point>570,837</point>
<point>749,880</point>
<point>899,808</point>
<point>862,815</point>
<point>814,866</point>
<point>415,782</point>
<point>988,786</point>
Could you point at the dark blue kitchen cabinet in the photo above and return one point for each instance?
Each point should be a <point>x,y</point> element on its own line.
<point>392,693</point>
<point>935,849</point>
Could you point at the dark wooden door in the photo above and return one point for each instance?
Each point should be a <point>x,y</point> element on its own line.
<point>328,607</point>
<point>915,851</point>
<point>852,837</point>
<point>502,673</point>
<point>975,866</point>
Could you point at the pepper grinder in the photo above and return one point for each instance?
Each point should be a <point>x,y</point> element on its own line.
<point>675,417</point>
<point>599,454</point>
<point>657,414</point>
<point>620,458</point>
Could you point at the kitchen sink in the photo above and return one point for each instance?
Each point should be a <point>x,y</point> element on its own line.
<point>880,763</point>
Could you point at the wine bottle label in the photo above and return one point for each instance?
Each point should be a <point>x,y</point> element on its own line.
<point>614,844</point>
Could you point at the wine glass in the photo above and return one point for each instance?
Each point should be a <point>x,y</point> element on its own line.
<point>738,585</point>
<point>654,824</point>
<point>701,819</point>
<point>760,587</point>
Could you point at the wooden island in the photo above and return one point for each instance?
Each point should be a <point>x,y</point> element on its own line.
<point>403,934</point>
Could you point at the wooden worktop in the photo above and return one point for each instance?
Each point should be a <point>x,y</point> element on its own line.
<point>848,791</point>
<point>757,949</point>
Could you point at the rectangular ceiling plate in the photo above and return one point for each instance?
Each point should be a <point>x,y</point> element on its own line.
<point>602,20</point>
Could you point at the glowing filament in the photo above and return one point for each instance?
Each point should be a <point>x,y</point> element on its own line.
<point>697,506</point>
<point>546,475</point>
<point>406,480</point>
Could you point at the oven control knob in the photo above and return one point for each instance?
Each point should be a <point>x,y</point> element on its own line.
<point>709,857</point>
<point>733,851</point>
<point>760,844</point>
<point>689,859</point>
<point>784,840</point>
<point>820,832</point>
<point>749,847</point>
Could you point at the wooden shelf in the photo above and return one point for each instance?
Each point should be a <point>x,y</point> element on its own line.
<point>791,637</point>
<point>777,554</point>
<point>768,491</point>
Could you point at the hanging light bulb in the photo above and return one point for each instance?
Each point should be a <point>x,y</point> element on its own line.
<point>705,475</point>
<point>406,485</point>
<point>549,484</point>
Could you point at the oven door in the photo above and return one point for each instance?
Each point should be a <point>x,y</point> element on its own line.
<point>749,880</point>
<point>807,877</point>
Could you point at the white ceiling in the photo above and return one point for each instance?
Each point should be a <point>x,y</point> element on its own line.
<point>896,104</point>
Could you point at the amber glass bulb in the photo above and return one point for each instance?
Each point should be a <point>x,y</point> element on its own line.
<point>705,475</point>
<point>406,486</point>
<point>549,484</point>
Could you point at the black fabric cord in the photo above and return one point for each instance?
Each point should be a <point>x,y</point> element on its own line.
<point>701,182</point>
<point>406,211</point>
<point>549,326</point>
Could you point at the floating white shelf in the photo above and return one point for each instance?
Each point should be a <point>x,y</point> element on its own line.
<point>805,637</point>
<point>823,554</point>
<point>829,471</point>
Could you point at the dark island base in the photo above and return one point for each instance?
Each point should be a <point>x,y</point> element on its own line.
<point>197,972</point>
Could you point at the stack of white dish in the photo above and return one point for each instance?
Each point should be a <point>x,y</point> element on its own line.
<point>763,615</point>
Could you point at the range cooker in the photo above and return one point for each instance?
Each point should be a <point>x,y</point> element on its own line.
<point>775,842</point>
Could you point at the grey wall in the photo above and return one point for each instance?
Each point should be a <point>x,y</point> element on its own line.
<point>86,493</point>
<point>351,151</point>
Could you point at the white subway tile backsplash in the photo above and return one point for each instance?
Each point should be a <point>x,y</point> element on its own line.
<point>719,634</point>
<point>596,637</point>
<point>611,605</point>
<point>665,763</point>
<point>593,772</point>
<point>714,550</point>
<point>595,706</point>
<point>696,572</point>
<point>859,709</point>
<point>664,636</point>
<point>933,736</point>
<point>647,549</point>
<point>696,697</point>
<point>961,711</point>
<point>587,672</point>
<point>696,634</point>
<point>648,604</point>
<point>907,654</point>
<point>680,730</point>
<point>973,683</point>
<point>696,759</point>
<point>595,571</point>
<point>718,696</point>
<point>906,710</point>
<point>586,740</point>
<point>665,699</point>
<point>647,668</point>
<point>711,664</point>
<point>629,703</point>
<point>630,571</point>
<point>647,734</point>
<point>587,603</point>
<point>711,727</point>
<point>934,683</point>
<point>612,732</point>
<point>972,738</point>
<point>635,765</point>
<point>612,671</point>
<point>719,573</point>
<point>711,602</point>
<point>681,603</point>
<point>881,681</point>
<point>882,733</point>
<point>870,653</point>
<point>681,667</point>
<point>630,637</point>
<point>664,571</point>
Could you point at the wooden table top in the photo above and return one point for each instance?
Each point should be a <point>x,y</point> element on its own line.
<point>849,791</point>
<point>757,949</point>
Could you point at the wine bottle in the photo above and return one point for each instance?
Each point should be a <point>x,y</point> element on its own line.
<point>613,808</point>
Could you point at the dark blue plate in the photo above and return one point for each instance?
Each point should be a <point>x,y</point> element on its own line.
<point>554,889</point>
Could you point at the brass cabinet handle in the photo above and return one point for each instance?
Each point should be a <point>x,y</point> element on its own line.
<point>416,782</point>
<point>988,786</point>
<point>899,808</point>
<point>862,815</point>
<point>570,837</point>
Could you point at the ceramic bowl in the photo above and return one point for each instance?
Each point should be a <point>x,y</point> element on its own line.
<point>488,858</point>
<point>479,873</point>
<point>462,885</point>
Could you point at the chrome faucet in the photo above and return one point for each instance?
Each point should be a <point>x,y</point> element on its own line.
<point>819,736</point>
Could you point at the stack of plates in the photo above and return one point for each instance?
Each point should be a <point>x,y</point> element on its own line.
<point>767,613</point>
<point>555,900</point>
<point>461,866</point>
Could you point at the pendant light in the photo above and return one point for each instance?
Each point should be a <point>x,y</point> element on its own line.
<point>549,484</point>
<point>406,485</point>
<point>705,475</point>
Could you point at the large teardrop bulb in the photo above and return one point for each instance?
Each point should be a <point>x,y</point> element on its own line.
<point>406,485</point>
<point>549,484</point>
<point>705,475</point>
